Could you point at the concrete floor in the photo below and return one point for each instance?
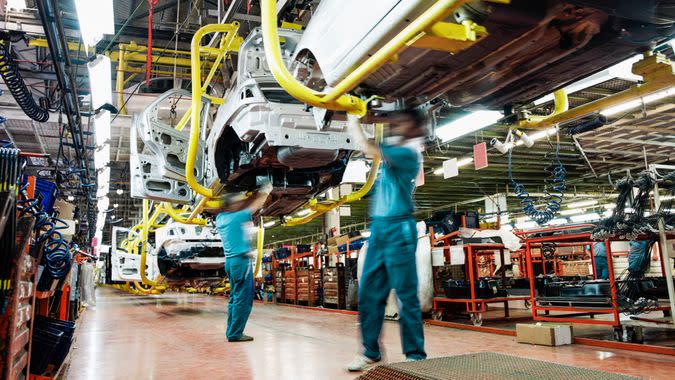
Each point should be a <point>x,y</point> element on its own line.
<point>181,336</point>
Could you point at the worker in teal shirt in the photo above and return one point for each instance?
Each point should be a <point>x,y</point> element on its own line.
<point>231,222</point>
<point>390,260</point>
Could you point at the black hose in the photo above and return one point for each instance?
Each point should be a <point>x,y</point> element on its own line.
<point>10,73</point>
<point>586,126</point>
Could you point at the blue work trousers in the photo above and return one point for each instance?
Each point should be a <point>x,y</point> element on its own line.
<point>601,267</point>
<point>240,272</point>
<point>390,264</point>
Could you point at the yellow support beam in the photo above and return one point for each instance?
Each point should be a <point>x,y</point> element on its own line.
<point>322,208</point>
<point>450,37</point>
<point>229,40</point>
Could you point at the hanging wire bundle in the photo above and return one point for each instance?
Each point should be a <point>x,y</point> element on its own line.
<point>632,224</point>
<point>10,169</point>
<point>554,190</point>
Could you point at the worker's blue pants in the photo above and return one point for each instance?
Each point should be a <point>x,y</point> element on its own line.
<point>601,267</point>
<point>390,264</point>
<point>240,272</point>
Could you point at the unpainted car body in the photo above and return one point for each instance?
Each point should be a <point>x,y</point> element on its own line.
<point>532,47</point>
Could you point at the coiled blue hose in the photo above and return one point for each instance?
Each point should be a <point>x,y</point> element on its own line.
<point>56,249</point>
<point>554,191</point>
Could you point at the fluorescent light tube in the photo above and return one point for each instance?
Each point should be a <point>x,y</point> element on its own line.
<point>102,157</point>
<point>96,18</point>
<point>635,103</point>
<point>526,225</point>
<point>623,70</point>
<point>582,204</point>
<point>557,222</point>
<point>467,124</point>
<point>100,81</point>
<point>585,217</point>
<point>572,211</point>
<point>102,128</point>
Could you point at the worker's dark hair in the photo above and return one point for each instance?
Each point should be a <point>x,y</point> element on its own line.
<point>418,117</point>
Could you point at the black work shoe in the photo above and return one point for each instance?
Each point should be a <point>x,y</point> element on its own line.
<point>242,338</point>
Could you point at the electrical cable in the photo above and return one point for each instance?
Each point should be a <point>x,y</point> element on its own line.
<point>12,77</point>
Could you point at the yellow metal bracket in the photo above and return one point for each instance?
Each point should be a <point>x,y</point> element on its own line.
<point>658,73</point>
<point>320,208</point>
<point>450,37</point>
<point>229,41</point>
<point>337,98</point>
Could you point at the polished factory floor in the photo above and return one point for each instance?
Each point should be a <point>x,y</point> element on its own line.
<point>181,336</point>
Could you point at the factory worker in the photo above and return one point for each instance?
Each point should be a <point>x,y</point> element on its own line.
<point>390,260</point>
<point>231,221</point>
<point>600,261</point>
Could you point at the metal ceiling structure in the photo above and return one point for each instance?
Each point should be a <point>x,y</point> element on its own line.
<point>646,135</point>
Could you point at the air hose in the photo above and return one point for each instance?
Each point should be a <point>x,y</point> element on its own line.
<point>10,73</point>
<point>56,248</point>
<point>555,182</point>
<point>586,126</point>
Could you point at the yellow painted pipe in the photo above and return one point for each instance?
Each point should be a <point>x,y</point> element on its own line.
<point>320,209</point>
<point>175,215</point>
<point>337,99</point>
<point>120,82</point>
<point>144,242</point>
<point>261,240</point>
<point>658,73</point>
<point>561,104</point>
<point>286,80</point>
<point>228,39</point>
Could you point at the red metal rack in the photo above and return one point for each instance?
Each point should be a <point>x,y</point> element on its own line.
<point>574,236</point>
<point>475,306</point>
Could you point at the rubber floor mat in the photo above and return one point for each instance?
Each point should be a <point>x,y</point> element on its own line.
<point>485,366</point>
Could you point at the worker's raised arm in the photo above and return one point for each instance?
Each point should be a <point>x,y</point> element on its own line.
<point>260,198</point>
<point>367,147</point>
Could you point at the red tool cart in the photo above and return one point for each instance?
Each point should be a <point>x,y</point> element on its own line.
<point>576,235</point>
<point>473,253</point>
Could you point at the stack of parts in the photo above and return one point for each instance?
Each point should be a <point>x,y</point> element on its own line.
<point>279,284</point>
<point>51,342</point>
<point>334,288</point>
<point>290,286</point>
<point>308,282</point>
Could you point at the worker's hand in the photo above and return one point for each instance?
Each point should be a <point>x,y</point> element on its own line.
<point>266,188</point>
<point>353,118</point>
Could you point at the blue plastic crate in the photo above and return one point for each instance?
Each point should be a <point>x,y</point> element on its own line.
<point>49,192</point>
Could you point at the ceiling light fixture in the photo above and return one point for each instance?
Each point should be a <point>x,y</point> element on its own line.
<point>96,18</point>
<point>590,202</point>
<point>635,103</point>
<point>269,224</point>
<point>472,122</point>
<point>572,211</point>
<point>622,70</point>
<point>585,217</point>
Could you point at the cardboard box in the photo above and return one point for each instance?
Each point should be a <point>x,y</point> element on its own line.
<point>342,240</point>
<point>66,210</point>
<point>545,334</point>
<point>332,250</point>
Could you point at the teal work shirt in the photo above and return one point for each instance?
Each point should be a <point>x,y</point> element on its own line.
<point>232,229</point>
<point>395,184</point>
